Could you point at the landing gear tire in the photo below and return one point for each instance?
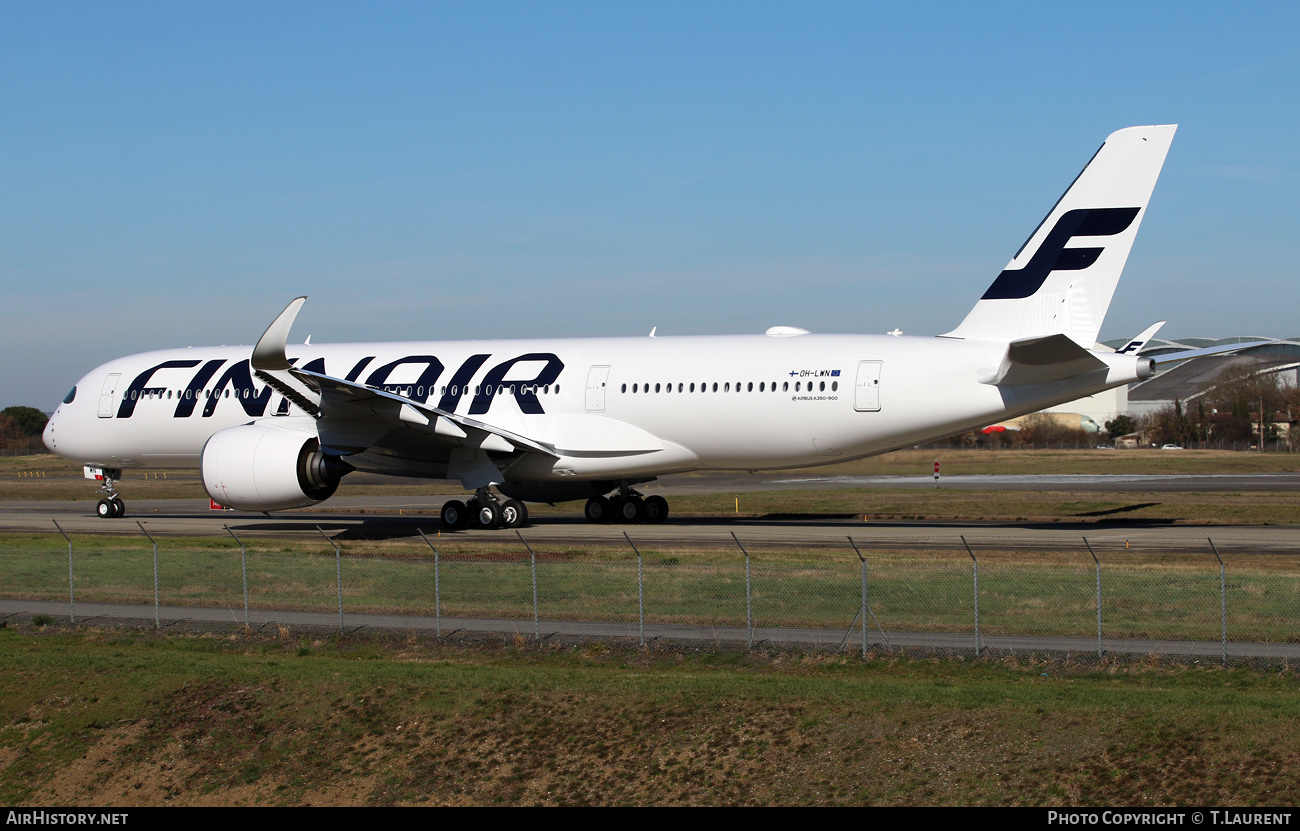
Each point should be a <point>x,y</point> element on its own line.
<point>455,515</point>
<point>629,510</point>
<point>655,509</point>
<point>597,510</point>
<point>514,514</point>
<point>119,507</point>
<point>107,509</point>
<point>487,515</point>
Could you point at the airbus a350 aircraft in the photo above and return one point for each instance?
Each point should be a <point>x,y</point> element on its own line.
<point>278,426</point>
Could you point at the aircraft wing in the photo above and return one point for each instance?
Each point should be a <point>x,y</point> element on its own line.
<point>1207,350</point>
<point>351,416</point>
<point>350,409</point>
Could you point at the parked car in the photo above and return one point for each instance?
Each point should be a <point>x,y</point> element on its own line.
<point>1171,447</point>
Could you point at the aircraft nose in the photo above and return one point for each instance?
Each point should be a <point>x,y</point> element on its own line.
<point>48,435</point>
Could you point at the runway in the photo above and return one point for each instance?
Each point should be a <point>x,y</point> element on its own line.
<point>393,516</point>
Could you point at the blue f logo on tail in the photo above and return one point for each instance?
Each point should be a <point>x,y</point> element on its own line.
<point>1052,255</point>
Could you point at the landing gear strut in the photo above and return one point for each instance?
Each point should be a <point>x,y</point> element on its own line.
<point>628,507</point>
<point>111,506</point>
<point>485,511</point>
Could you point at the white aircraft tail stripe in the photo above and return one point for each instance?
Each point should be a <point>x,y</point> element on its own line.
<point>1062,279</point>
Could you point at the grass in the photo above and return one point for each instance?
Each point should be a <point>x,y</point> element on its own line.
<point>1147,593</point>
<point>111,718</point>
<point>1253,508</point>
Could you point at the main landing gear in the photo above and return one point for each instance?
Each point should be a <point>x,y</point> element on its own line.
<point>485,511</point>
<point>111,506</point>
<point>628,507</point>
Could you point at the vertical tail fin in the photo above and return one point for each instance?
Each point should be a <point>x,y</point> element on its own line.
<point>1063,277</point>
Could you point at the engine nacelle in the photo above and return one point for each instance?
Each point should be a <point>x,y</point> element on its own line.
<point>269,467</point>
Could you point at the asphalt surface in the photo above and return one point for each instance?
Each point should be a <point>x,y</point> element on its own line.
<point>376,518</point>
<point>386,517</point>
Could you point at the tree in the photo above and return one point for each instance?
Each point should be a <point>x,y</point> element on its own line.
<point>1120,425</point>
<point>1240,392</point>
<point>28,420</point>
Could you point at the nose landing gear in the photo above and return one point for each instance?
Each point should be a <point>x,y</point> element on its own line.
<point>111,506</point>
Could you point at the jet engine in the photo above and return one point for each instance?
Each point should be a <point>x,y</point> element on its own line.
<point>269,467</point>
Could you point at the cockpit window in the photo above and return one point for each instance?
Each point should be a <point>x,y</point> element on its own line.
<point>71,395</point>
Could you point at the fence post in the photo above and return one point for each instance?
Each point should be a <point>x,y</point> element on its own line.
<point>862,612</point>
<point>243,570</point>
<point>157,623</point>
<point>338,573</point>
<point>437,594</point>
<point>72,603</point>
<point>865,611</point>
<point>1223,601</point>
<point>640,591</point>
<point>749,607</point>
<point>977,594</point>
<point>1098,563</point>
<point>537,629</point>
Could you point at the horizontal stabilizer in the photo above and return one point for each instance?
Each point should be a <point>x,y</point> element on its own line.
<point>1042,360</point>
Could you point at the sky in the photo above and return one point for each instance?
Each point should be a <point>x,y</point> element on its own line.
<point>173,174</point>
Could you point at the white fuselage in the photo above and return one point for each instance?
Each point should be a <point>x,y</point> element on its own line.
<point>611,407</point>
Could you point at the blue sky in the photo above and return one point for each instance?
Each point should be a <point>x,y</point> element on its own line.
<point>174,173</point>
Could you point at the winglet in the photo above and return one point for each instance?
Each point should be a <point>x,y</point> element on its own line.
<point>269,352</point>
<point>1141,340</point>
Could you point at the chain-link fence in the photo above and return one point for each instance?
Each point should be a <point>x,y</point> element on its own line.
<point>1098,596</point>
